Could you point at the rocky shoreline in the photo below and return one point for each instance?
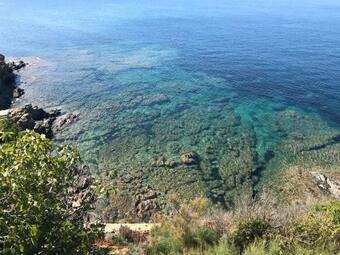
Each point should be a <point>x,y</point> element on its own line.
<point>28,117</point>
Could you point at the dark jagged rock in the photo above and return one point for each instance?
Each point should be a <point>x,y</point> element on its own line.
<point>34,118</point>
<point>17,65</point>
<point>18,92</point>
<point>6,72</point>
<point>8,90</point>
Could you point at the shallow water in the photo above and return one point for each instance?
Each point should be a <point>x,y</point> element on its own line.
<point>251,88</point>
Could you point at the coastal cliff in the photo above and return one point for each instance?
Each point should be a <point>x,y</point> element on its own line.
<point>8,89</point>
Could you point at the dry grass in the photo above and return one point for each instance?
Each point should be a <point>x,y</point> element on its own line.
<point>225,222</point>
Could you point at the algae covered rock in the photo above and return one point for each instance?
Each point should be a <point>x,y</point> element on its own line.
<point>189,158</point>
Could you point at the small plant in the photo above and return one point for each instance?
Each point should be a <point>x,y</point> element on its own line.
<point>204,236</point>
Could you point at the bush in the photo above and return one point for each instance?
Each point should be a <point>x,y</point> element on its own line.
<point>164,240</point>
<point>319,228</point>
<point>248,231</point>
<point>36,185</point>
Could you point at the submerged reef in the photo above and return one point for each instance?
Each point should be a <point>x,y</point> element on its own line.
<point>190,135</point>
<point>217,151</point>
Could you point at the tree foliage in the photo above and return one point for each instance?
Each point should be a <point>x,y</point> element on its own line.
<point>37,184</point>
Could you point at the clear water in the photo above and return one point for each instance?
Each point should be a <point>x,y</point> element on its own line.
<point>251,86</point>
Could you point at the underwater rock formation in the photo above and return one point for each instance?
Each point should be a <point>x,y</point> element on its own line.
<point>240,144</point>
<point>162,162</point>
<point>143,100</point>
<point>189,158</point>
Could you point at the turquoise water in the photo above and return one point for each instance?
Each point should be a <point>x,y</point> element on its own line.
<point>251,88</point>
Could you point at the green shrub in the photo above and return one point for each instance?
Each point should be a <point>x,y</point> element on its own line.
<point>248,231</point>
<point>204,236</point>
<point>36,217</point>
<point>315,230</point>
<point>163,241</point>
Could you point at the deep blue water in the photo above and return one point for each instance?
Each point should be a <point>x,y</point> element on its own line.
<point>284,50</point>
<point>227,68</point>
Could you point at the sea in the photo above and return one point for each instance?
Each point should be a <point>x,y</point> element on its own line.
<point>248,88</point>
